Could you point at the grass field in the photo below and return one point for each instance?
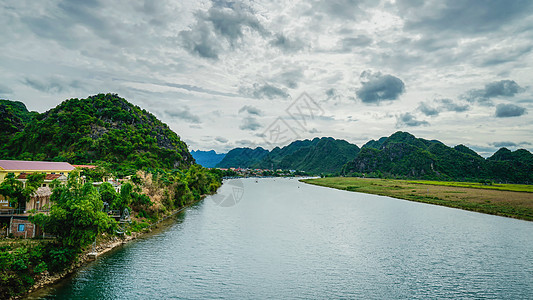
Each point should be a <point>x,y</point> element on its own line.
<point>509,200</point>
<point>496,186</point>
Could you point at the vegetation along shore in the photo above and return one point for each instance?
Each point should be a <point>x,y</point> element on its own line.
<point>509,200</point>
<point>131,172</point>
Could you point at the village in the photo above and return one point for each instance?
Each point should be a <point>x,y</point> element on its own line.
<point>14,217</point>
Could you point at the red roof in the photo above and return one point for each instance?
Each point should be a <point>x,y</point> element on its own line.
<point>23,165</point>
<point>48,176</point>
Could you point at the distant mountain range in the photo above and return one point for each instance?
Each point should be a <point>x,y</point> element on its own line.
<point>404,155</point>
<point>318,155</point>
<point>207,159</point>
<point>401,155</point>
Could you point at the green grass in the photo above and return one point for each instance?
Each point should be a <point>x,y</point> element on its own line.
<point>509,200</point>
<point>500,187</point>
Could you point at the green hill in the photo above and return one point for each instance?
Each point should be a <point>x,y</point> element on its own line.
<point>13,118</point>
<point>242,158</point>
<point>320,155</point>
<point>404,155</point>
<point>103,128</point>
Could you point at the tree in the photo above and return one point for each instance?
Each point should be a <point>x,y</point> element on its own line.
<point>108,194</point>
<point>18,193</point>
<point>76,215</point>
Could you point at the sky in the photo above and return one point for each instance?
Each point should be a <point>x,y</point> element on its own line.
<point>226,74</point>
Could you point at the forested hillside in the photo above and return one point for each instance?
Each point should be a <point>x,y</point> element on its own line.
<point>404,155</point>
<point>320,155</point>
<point>242,158</point>
<point>13,118</point>
<point>101,128</point>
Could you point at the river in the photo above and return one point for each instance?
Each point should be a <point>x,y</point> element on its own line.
<point>282,239</point>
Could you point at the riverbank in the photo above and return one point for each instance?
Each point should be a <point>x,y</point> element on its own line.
<point>513,204</point>
<point>104,245</point>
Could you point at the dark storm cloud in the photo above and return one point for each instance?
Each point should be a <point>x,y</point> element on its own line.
<point>378,87</point>
<point>250,123</point>
<point>263,91</point>
<point>509,110</point>
<point>218,24</point>
<point>502,88</point>
<point>407,119</point>
<point>440,105</point>
<point>472,17</point>
<point>251,110</point>
<point>184,114</point>
<point>286,44</point>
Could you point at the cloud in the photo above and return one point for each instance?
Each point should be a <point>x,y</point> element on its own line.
<point>201,41</point>
<point>509,110</point>
<point>503,144</point>
<point>502,88</point>
<point>428,110</point>
<point>378,87</point>
<point>344,9</point>
<point>229,22</point>
<point>250,123</point>
<point>5,90</point>
<point>449,105</point>
<point>251,110</point>
<point>286,44</point>
<point>290,78</point>
<point>218,25</point>
<point>265,91</point>
<point>467,17</point>
<point>407,119</point>
<point>184,114</point>
<point>349,43</point>
<point>509,144</point>
<point>53,85</point>
<point>221,139</point>
<point>441,105</point>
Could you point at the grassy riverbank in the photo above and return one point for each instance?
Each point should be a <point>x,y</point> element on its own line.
<point>515,201</point>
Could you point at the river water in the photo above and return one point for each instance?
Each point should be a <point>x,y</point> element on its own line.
<point>282,239</point>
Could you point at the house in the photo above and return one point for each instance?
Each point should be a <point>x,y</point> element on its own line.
<point>18,167</point>
<point>17,219</point>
